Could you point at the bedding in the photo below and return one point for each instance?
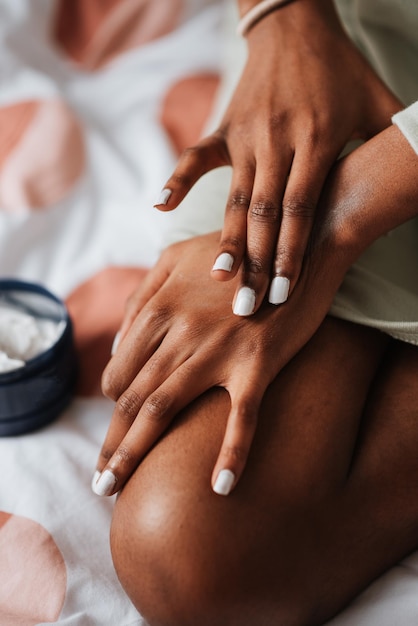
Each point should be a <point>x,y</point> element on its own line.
<point>96,102</point>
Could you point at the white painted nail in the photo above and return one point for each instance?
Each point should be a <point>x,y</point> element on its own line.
<point>105,483</point>
<point>244,302</point>
<point>115,343</point>
<point>163,197</point>
<point>225,261</point>
<point>96,477</point>
<point>224,482</point>
<point>279,290</point>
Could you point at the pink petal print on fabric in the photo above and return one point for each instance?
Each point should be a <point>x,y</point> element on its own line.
<point>45,161</point>
<point>14,119</point>
<point>33,577</point>
<point>185,130</point>
<point>93,33</point>
<point>96,308</point>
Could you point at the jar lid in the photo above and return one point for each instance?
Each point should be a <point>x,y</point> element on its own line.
<point>41,385</point>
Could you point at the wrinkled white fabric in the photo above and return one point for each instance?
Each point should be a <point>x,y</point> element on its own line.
<point>108,218</point>
<point>407,122</point>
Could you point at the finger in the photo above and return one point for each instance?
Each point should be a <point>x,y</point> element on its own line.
<point>154,372</point>
<point>148,424</point>
<point>303,190</point>
<point>151,284</point>
<point>239,435</point>
<point>263,223</point>
<point>210,153</point>
<point>234,233</point>
<point>146,379</point>
<point>140,344</point>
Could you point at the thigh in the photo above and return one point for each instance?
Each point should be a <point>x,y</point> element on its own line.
<point>372,522</point>
<point>272,551</point>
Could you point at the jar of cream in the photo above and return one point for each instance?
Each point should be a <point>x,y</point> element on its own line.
<point>37,357</point>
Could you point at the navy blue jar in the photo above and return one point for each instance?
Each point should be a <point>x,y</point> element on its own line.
<point>34,394</point>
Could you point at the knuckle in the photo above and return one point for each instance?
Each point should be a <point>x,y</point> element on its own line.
<point>111,384</point>
<point>284,256</point>
<point>155,316</point>
<point>288,261</point>
<point>232,243</point>
<point>191,153</point>
<point>289,255</point>
<point>314,132</point>
<point>130,301</point>
<point>123,455</point>
<point>277,121</point>
<point>298,207</point>
<point>235,453</point>
<point>181,179</point>
<point>128,405</point>
<point>190,158</point>
<point>156,406</point>
<point>106,454</point>
<point>265,211</point>
<point>132,307</point>
<point>239,201</point>
<point>255,265</point>
<point>186,329</point>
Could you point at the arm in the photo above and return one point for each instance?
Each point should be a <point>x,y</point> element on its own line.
<point>304,93</point>
<point>179,339</point>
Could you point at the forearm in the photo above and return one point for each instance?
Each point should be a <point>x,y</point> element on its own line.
<point>370,192</point>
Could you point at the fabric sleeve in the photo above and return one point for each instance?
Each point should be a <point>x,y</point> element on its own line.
<point>407,122</point>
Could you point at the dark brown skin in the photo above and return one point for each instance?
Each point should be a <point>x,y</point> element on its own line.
<point>304,93</point>
<point>321,510</point>
<point>315,417</point>
<point>327,499</point>
<point>179,338</point>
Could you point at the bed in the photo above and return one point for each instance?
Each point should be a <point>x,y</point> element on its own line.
<point>92,119</point>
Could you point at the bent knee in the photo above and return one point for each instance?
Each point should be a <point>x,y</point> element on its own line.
<point>183,561</point>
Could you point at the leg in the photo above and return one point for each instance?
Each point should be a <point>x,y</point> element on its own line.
<point>311,502</point>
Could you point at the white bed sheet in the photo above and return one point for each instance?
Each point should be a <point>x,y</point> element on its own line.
<point>55,565</point>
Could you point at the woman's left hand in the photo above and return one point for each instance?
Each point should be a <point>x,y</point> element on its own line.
<point>179,339</point>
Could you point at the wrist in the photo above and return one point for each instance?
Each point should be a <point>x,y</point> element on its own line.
<point>369,192</point>
<point>258,12</point>
<point>247,5</point>
<point>281,11</point>
<point>298,22</point>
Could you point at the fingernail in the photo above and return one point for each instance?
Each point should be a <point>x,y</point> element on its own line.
<point>224,482</point>
<point>105,483</point>
<point>96,477</point>
<point>279,290</point>
<point>244,302</point>
<point>163,197</point>
<point>225,261</point>
<point>115,343</point>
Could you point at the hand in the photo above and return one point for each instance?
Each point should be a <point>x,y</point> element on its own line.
<point>178,340</point>
<point>304,93</point>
